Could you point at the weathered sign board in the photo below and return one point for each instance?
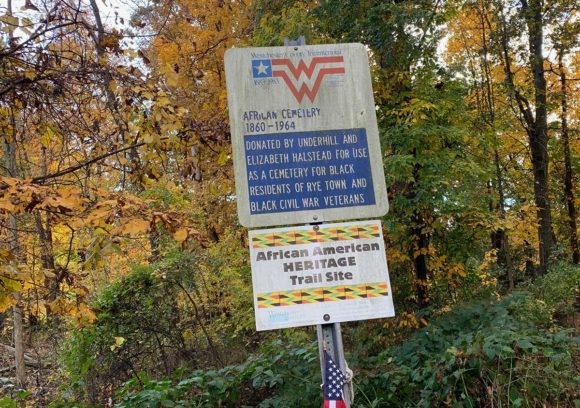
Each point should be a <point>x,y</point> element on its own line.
<point>304,134</point>
<point>319,274</point>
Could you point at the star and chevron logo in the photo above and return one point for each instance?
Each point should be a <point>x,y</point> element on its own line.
<point>303,79</point>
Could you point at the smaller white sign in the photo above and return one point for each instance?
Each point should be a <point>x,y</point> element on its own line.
<point>320,274</point>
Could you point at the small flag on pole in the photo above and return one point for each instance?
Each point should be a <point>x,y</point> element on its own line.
<point>334,381</point>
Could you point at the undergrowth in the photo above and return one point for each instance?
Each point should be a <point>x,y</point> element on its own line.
<point>493,352</point>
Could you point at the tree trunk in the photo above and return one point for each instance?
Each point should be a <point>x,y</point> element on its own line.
<point>568,183</point>
<point>538,132</point>
<point>420,259</point>
<point>503,246</point>
<point>17,320</point>
<point>534,119</point>
<point>45,237</point>
<point>420,245</point>
<point>499,237</point>
<point>18,331</point>
<point>14,246</point>
<point>18,324</point>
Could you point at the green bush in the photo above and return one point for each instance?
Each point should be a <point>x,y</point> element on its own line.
<point>559,289</point>
<point>141,327</point>
<point>134,319</point>
<point>267,379</point>
<point>489,352</point>
<point>477,355</point>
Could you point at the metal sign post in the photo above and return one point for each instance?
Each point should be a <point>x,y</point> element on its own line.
<point>306,150</point>
<point>330,339</point>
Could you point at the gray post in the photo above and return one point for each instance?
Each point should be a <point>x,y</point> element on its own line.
<point>298,41</point>
<point>330,336</point>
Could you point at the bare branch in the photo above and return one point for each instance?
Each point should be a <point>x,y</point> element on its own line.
<point>42,179</point>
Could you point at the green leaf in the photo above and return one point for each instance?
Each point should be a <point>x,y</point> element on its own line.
<point>525,344</point>
<point>8,402</point>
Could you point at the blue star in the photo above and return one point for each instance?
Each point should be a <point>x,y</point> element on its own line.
<point>261,68</point>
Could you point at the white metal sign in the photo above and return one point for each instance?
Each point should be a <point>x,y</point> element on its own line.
<point>304,134</point>
<point>319,274</point>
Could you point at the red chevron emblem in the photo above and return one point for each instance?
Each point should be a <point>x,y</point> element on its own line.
<point>318,68</point>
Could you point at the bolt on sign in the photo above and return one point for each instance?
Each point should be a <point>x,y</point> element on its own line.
<point>304,134</point>
<point>319,274</point>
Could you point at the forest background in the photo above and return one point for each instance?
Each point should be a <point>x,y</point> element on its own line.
<point>124,273</point>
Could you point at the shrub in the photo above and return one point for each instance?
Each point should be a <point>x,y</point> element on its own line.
<point>267,379</point>
<point>477,355</point>
<point>134,330</point>
<point>559,289</point>
<point>145,327</point>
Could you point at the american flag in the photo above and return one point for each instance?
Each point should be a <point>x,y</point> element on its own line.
<point>334,381</point>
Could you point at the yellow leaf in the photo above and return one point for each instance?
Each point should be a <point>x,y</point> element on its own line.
<point>45,139</point>
<point>6,254</point>
<point>81,290</point>
<point>7,206</point>
<point>163,101</point>
<point>135,227</point>
<point>98,214</point>
<point>180,235</point>
<point>172,79</point>
<point>53,167</point>
<point>84,314</point>
<point>148,137</point>
<point>223,158</point>
<point>9,285</point>
<point>118,343</point>
<point>9,20</point>
<point>6,302</point>
<point>9,271</point>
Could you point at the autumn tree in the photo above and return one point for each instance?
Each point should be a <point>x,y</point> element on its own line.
<point>565,39</point>
<point>186,57</point>
<point>532,115</point>
<point>79,119</point>
<point>421,139</point>
<point>470,50</point>
<point>521,39</point>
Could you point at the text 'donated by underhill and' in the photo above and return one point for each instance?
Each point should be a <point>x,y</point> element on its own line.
<point>308,170</point>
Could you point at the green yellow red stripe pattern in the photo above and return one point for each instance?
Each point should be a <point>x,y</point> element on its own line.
<point>319,295</point>
<point>311,235</point>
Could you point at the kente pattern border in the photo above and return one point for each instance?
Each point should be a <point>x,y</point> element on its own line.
<point>309,236</point>
<point>318,295</point>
